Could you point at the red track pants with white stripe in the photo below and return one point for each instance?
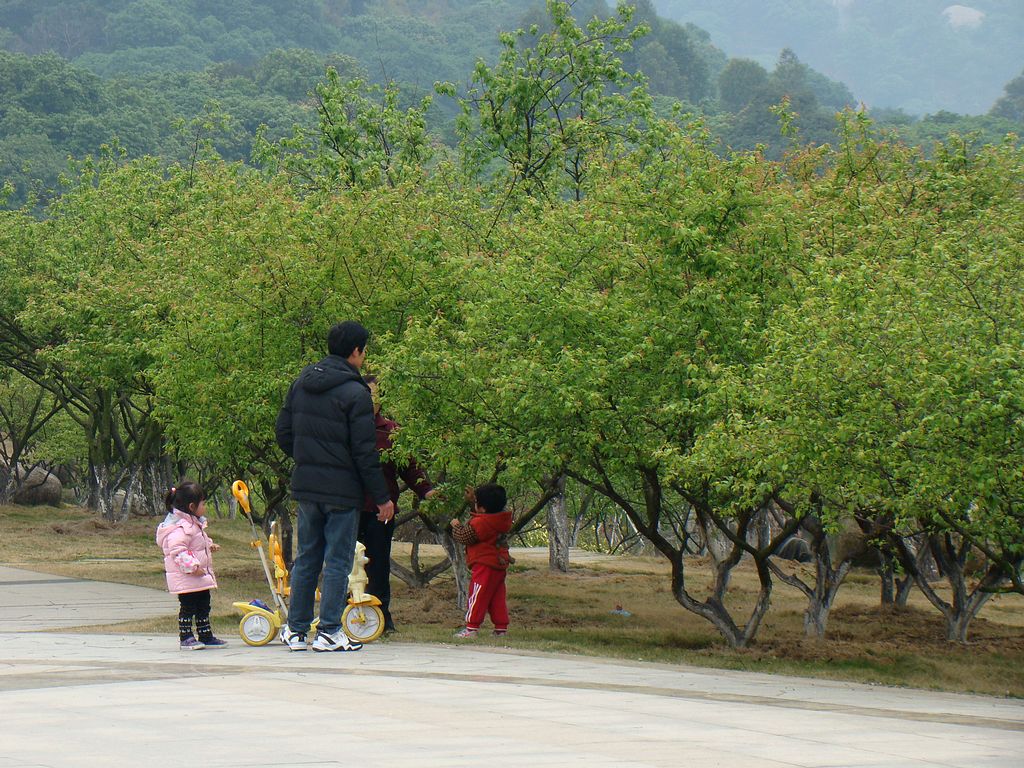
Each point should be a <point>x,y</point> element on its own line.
<point>486,595</point>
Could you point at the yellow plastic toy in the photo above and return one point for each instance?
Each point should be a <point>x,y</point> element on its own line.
<point>363,619</point>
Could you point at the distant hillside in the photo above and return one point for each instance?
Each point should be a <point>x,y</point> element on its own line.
<point>75,74</point>
<point>416,41</point>
<point>918,55</point>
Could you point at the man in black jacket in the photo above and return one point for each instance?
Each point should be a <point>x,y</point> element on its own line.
<point>327,426</point>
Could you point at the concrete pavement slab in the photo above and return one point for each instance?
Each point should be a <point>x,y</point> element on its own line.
<point>80,699</point>
<point>115,700</point>
<point>31,601</point>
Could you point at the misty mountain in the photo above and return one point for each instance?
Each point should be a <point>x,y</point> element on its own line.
<point>918,55</point>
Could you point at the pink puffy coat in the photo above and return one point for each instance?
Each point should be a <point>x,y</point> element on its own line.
<point>187,557</point>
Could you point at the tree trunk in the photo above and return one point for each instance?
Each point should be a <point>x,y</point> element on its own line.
<point>415,576</point>
<point>713,609</point>
<point>558,531</point>
<point>102,482</point>
<point>159,475</point>
<point>950,554</point>
<point>967,606</point>
<point>828,577</point>
<point>887,575</point>
<point>7,485</point>
<point>727,553</point>
<point>816,617</point>
<point>457,556</point>
<point>762,529</point>
<point>904,587</point>
<point>819,606</point>
<point>586,499</point>
<point>895,591</point>
<point>9,463</point>
<point>287,536</point>
<point>131,492</point>
<point>101,492</point>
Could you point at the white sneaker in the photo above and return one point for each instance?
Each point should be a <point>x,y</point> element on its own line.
<point>335,641</point>
<point>296,641</point>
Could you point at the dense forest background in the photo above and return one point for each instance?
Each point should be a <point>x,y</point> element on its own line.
<point>150,74</point>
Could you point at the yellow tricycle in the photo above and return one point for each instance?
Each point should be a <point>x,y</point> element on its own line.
<point>362,619</point>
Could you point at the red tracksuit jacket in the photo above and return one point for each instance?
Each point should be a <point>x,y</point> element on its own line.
<point>488,529</point>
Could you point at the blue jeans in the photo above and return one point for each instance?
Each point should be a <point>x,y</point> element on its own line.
<point>327,540</point>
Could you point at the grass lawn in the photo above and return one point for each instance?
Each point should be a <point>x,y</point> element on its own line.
<point>572,613</point>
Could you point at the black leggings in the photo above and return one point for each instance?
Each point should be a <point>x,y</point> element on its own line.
<point>376,537</point>
<point>194,605</point>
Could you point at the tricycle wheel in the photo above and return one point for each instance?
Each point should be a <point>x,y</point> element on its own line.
<point>364,623</point>
<point>256,629</point>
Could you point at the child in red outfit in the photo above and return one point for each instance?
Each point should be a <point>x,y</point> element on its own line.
<point>487,556</point>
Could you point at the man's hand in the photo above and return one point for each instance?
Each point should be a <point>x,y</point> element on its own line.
<point>386,511</point>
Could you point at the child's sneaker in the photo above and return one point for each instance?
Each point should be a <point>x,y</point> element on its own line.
<point>296,641</point>
<point>191,644</point>
<point>213,642</point>
<point>335,641</point>
<point>465,633</point>
<point>500,632</point>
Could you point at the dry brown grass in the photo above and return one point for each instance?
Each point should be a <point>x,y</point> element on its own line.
<point>572,612</point>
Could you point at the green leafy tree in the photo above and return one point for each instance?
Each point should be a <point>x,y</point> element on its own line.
<point>146,23</point>
<point>890,393</point>
<point>1011,104</point>
<point>291,73</point>
<point>740,83</point>
<point>25,410</point>
<point>928,131</point>
<point>758,121</point>
<point>364,138</point>
<point>584,335</point>
<point>87,319</point>
<point>551,100</point>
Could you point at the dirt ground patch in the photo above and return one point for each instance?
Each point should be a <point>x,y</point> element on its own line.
<point>85,528</point>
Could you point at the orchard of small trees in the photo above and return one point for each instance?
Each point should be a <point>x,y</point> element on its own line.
<point>717,353</point>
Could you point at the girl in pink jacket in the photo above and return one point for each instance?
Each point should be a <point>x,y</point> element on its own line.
<point>188,561</point>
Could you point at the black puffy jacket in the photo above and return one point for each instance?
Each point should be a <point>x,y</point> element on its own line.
<point>326,424</point>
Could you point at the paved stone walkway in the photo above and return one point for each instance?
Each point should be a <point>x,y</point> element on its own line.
<point>31,601</point>
<point>79,699</point>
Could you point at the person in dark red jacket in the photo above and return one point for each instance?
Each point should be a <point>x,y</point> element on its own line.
<point>488,558</point>
<point>376,535</point>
